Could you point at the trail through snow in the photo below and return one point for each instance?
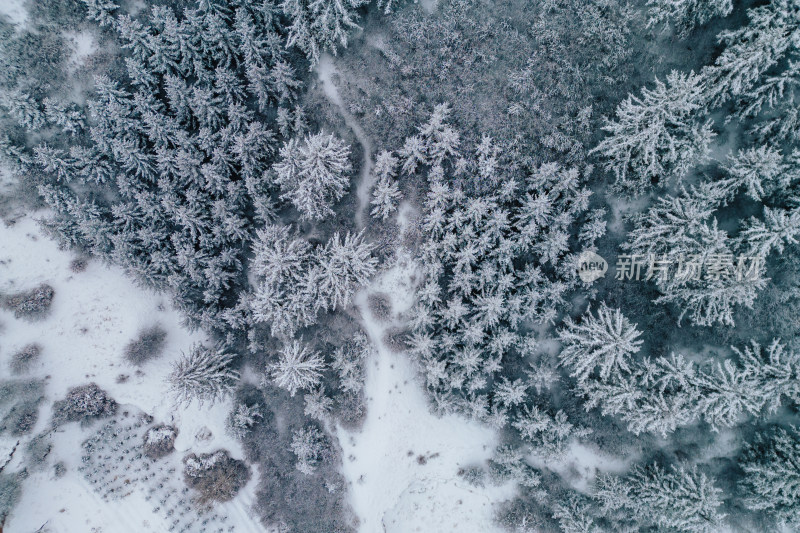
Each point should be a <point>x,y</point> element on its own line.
<point>403,464</point>
<point>325,71</point>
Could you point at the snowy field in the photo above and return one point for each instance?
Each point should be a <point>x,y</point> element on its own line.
<point>94,314</point>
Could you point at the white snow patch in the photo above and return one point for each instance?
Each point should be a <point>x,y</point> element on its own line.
<point>428,5</point>
<point>402,466</point>
<point>15,11</point>
<point>83,46</point>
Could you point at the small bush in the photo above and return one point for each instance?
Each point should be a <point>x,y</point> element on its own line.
<point>21,361</point>
<point>396,339</point>
<point>474,475</point>
<point>159,441</point>
<point>148,345</point>
<point>78,265</point>
<point>20,400</point>
<point>83,403</point>
<point>59,469</point>
<point>37,450</point>
<point>31,304</point>
<point>10,492</point>
<point>216,476</point>
<point>21,418</point>
<point>380,306</point>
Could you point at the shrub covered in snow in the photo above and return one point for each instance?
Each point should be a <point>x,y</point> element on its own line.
<point>30,304</point>
<point>22,359</point>
<point>243,418</point>
<point>216,476</point>
<point>83,403</point>
<point>310,446</point>
<point>159,441</point>
<point>149,344</point>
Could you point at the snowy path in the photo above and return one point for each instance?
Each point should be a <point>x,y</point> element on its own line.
<point>402,465</point>
<point>325,71</point>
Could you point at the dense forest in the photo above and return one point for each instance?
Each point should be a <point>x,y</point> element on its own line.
<point>199,149</point>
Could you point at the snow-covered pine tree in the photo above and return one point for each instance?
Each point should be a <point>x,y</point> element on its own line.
<point>680,498</point>
<point>204,374</point>
<point>319,26</point>
<point>606,341</point>
<point>386,193</point>
<point>658,135</point>
<point>779,227</point>
<point>751,51</point>
<point>682,232</point>
<point>310,446</point>
<point>242,419</point>
<point>772,476</point>
<point>318,404</point>
<point>548,435</point>
<point>661,395</point>
<point>313,174</point>
<point>684,15</point>
<point>575,516</point>
<point>761,171</point>
<point>296,281</point>
<point>349,361</point>
<point>297,368</point>
<point>343,265</point>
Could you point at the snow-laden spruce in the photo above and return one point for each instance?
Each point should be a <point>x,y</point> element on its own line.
<point>607,341</point>
<point>297,367</point>
<point>663,394</point>
<point>310,446</point>
<point>679,499</point>
<point>242,419</point>
<point>204,374</point>
<point>661,135</point>
<point>684,15</point>
<point>297,280</point>
<point>320,25</point>
<point>313,174</point>
<point>682,237</point>
<point>772,476</point>
<point>386,193</point>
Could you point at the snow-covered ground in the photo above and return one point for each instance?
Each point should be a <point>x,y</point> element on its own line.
<point>94,314</point>
<point>403,463</point>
